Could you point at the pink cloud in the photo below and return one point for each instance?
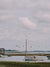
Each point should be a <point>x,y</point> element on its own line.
<point>28,23</point>
<point>43,16</point>
<point>6,4</point>
<point>6,17</point>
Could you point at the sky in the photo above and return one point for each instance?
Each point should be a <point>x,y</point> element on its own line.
<point>25,19</point>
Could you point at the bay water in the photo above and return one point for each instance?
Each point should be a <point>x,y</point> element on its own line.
<point>19,59</point>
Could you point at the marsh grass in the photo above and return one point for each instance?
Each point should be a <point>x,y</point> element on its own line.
<point>24,64</point>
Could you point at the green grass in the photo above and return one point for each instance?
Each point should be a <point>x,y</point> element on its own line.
<point>24,64</point>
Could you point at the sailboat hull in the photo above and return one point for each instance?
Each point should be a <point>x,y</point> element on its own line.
<point>29,60</point>
<point>36,58</point>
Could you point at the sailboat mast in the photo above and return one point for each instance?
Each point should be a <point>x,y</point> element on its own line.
<point>26,48</point>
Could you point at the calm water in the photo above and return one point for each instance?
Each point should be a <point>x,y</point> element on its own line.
<point>29,52</point>
<point>18,59</point>
<point>22,58</point>
<point>13,58</point>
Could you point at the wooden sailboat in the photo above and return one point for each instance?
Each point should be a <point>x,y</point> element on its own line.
<point>28,58</point>
<point>33,58</point>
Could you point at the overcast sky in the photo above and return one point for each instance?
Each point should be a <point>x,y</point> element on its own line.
<point>25,19</point>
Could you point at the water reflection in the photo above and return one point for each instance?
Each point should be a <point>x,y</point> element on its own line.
<point>19,59</point>
<point>13,58</point>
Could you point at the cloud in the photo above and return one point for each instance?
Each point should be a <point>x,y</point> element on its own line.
<point>29,24</point>
<point>6,4</point>
<point>38,23</point>
<point>43,16</point>
<point>10,4</point>
<point>24,3</point>
<point>43,4</point>
<point>6,33</point>
<point>3,32</point>
<point>46,29</point>
<point>6,17</point>
<point>35,4</point>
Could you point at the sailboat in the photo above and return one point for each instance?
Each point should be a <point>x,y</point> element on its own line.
<point>34,58</point>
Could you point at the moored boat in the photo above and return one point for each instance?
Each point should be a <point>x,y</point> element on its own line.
<point>34,58</point>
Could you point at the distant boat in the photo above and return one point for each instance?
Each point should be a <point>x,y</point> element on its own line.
<point>34,58</point>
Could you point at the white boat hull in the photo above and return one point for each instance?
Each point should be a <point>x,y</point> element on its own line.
<point>36,58</point>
